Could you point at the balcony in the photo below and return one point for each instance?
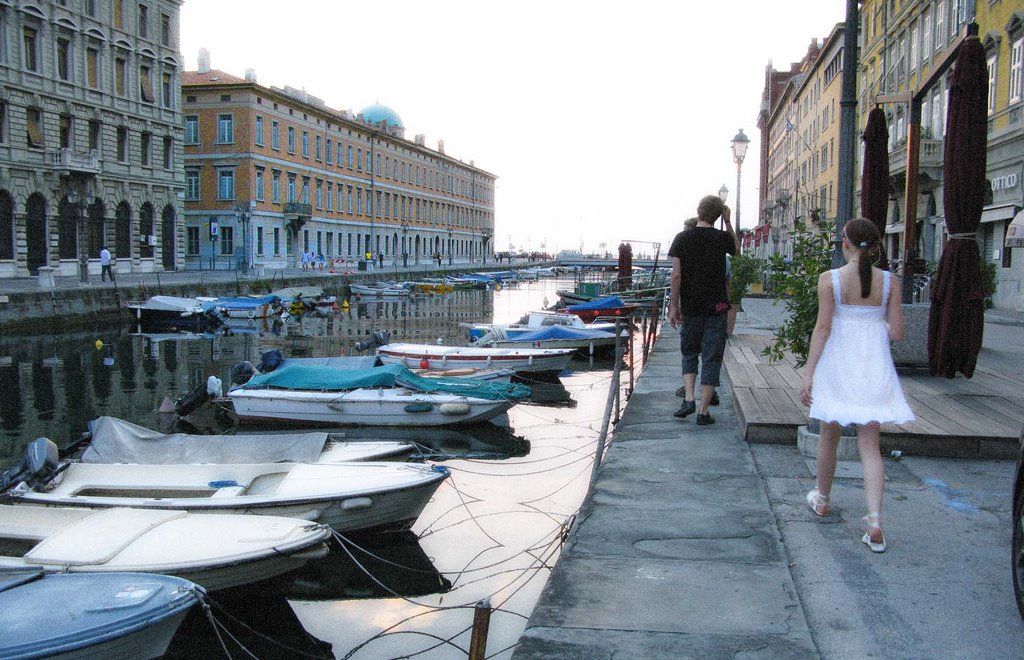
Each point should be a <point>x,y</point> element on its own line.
<point>294,210</point>
<point>929,156</point>
<point>67,161</point>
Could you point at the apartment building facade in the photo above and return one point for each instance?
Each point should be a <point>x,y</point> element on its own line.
<point>90,136</point>
<point>272,173</point>
<point>798,128</point>
<point>902,40</point>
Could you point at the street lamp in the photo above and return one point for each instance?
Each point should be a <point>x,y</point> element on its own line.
<point>723,193</point>
<point>242,215</point>
<point>449,246</point>
<point>739,151</point>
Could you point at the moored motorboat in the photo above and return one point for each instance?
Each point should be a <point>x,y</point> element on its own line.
<point>607,307</point>
<point>346,496</point>
<point>114,440</point>
<point>175,312</point>
<point>247,307</point>
<point>432,356</point>
<point>222,551</point>
<point>380,290</point>
<point>535,321</point>
<point>383,396</point>
<point>120,615</point>
<point>556,336</point>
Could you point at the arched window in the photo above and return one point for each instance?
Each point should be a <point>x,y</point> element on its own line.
<point>97,227</point>
<point>36,232</point>
<point>167,237</point>
<point>67,228</point>
<point>146,230</point>
<point>123,231</point>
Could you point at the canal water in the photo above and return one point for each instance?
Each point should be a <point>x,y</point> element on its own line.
<point>491,533</point>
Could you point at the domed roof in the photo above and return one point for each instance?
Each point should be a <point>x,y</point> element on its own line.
<point>377,113</point>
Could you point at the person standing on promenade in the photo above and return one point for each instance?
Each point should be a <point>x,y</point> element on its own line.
<point>105,268</point>
<point>699,301</point>
<point>850,377</point>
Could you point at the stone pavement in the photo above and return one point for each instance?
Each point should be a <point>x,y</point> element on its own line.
<point>676,552</point>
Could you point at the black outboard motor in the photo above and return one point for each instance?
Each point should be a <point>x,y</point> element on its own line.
<point>242,372</point>
<point>375,341</point>
<point>39,465</point>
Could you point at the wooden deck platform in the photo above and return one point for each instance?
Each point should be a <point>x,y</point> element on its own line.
<point>978,417</point>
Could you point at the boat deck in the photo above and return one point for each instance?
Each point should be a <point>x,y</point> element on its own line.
<point>961,417</point>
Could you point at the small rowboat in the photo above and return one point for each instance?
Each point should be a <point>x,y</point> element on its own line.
<point>432,356</point>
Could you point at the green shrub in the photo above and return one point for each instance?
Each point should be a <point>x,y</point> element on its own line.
<point>989,281</point>
<point>746,270</point>
<point>795,284</point>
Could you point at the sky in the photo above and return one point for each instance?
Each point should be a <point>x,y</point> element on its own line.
<point>603,120</point>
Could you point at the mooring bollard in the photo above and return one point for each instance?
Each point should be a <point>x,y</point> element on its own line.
<point>481,622</point>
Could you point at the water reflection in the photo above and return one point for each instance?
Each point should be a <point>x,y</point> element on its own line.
<point>370,566</point>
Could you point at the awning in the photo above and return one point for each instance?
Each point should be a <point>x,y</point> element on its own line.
<point>996,213</point>
<point>1015,232</point>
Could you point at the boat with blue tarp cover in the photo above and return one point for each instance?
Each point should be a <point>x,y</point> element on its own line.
<point>390,395</point>
<point>110,616</point>
<point>555,336</point>
<point>609,306</point>
<point>248,307</point>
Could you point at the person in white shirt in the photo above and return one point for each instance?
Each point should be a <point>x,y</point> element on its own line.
<point>105,264</point>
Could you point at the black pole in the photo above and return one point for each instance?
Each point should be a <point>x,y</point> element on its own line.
<point>847,130</point>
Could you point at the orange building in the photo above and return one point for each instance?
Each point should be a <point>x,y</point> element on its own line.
<point>272,173</point>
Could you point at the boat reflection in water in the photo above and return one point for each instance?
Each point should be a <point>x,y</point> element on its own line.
<point>370,566</point>
<point>488,440</point>
<point>253,621</point>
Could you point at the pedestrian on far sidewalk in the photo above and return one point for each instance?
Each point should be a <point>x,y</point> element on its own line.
<point>850,377</point>
<point>699,302</point>
<point>105,265</point>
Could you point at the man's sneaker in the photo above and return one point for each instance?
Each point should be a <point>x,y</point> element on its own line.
<point>681,392</point>
<point>704,420</point>
<point>688,408</point>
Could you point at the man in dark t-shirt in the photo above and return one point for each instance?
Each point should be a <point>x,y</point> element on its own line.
<point>700,301</point>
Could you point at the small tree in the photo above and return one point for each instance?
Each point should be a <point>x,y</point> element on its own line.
<point>795,284</point>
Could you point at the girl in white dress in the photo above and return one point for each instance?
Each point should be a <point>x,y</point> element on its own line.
<point>850,377</point>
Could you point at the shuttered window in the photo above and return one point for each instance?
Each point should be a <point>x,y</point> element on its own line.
<point>146,84</point>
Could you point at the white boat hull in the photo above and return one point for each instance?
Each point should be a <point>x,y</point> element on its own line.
<point>379,292</point>
<point>450,357</point>
<point>222,551</point>
<point>348,497</point>
<point>389,407</point>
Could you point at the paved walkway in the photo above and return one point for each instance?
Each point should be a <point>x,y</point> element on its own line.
<point>676,552</point>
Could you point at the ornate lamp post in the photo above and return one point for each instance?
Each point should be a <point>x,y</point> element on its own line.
<point>242,215</point>
<point>723,194</point>
<point>739,151</point>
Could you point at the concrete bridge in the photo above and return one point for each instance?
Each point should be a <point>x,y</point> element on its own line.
<point>586,261</point>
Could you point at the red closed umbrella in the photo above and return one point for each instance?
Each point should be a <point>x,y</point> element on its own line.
<point>874,180</point>
<point>957,317</point>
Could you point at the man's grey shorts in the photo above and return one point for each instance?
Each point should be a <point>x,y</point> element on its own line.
<point>703,337</point>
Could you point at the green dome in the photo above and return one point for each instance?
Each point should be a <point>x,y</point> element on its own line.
<point>377,113</point>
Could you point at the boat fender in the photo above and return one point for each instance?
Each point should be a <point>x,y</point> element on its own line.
<point>424,363</point>
<point>419,407</point>
<point>458,408</point>
<point>251,313</point>
<point>356,503</point>
<point>529,361</point>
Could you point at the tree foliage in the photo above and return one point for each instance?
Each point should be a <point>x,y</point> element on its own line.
<point>795,284</point>
<point>746,270</point>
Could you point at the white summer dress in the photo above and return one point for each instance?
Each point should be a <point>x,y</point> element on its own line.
<point>855,381</point>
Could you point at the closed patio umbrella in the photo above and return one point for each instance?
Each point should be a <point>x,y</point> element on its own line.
<point>957,315</point>
<point>874,181</point>
<point>625,266</point>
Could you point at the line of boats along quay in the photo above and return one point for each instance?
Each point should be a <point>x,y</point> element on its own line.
<point>385,540</point>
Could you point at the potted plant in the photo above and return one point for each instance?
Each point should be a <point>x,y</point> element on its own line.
<point>745,270</point>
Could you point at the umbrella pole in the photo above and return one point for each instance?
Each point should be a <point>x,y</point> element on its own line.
<point>910,200</point>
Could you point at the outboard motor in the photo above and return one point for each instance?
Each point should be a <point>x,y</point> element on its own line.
<point>242,372</point>
<point>39,465</point>
<point>375,341</point>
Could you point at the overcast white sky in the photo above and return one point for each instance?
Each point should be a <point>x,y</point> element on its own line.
<point>603,120</point>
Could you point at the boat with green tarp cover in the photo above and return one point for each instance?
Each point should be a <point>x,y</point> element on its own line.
<point>391,395</point>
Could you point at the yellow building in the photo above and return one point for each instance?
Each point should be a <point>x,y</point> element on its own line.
<point>272,174</point>
<point>902,41</point>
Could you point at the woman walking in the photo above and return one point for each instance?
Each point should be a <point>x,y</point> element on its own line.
<point>850,377</point>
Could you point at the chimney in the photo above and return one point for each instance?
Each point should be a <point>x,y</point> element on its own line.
<point>250,75</point>
<point>440,146</point>
<point>204,60</point>
<point>420,139</point>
